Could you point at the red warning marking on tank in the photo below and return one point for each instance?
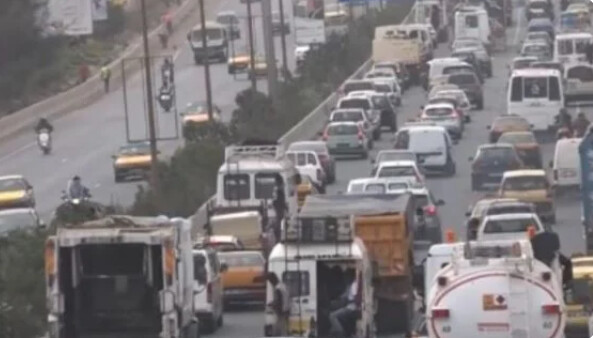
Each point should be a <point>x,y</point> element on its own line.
<point>493,302</point>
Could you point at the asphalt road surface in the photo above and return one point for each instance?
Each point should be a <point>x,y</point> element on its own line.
<point>455,191</point>
<point>84,141</point>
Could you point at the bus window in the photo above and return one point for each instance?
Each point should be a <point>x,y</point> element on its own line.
<point>516,92</point>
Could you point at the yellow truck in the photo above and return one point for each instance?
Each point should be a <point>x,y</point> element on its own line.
<point>579,311</point>
<point>391,44</point>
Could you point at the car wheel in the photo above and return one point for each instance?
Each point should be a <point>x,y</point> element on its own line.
<point>452,169</point>
<point>220,320</point>
<point>207,324</point>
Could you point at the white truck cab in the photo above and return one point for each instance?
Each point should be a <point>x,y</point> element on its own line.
<point>473,22</point>
<point>537,95</point>
<point>571,47</point>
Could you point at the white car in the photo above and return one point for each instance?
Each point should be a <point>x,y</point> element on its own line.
<point>392,155</point>
<point>403,169</point>
<point>462,100</point>
<point>539,49</point>
<point>444,115</point>
<point>579,82</point>
<point>307,163</point>
<point>508,226</point>
<point>390,88</point>
<point>436,89</point>
<point>373,185</point>
<point>208,290</point>
<point>566,166</point>
<point>300,52</point>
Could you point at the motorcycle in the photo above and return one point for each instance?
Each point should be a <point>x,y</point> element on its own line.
<point>44,141</point>
<point>86,196</point>
<point>166,99</point>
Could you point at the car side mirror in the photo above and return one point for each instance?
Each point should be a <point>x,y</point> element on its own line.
<point>223,267</point>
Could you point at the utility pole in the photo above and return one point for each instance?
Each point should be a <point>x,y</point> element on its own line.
<point>283,40</point>
<point>151,121</point>
<point>206,62</point>
<point>266,8</point>
<point>251,46</point>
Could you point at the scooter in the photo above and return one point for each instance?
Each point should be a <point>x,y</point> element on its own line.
<point>44,141</point>
<point>166,99</point>
<point>76,201</point>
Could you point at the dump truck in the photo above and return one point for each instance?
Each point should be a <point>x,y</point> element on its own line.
<point>121,276</point>
<point>385,224</point>
<point>391,44</point>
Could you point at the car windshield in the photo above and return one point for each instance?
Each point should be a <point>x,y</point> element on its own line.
<point>511,122</point>
<point>438,112</point>
<point>347,116</point>
<point>497,154</point>
<point>457,69</point>
<point>509,225</point>
<point>517,138</point>
<point>16,220</point>
<point>508,209</point>
<point>398,171</point>
<point>357,86</point>
<point>355,103</point>
<point>527,182</point>
<point>462,79</point>
<point>377,188</point>
<point>241,259</point>
<point>342,129</point>
<point>135,149</point>
<point>395,156</point>
<point>11,185</point>
<point>211,34</point>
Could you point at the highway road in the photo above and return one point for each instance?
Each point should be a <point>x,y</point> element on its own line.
<point>456,190</point>
<point>84,140</point>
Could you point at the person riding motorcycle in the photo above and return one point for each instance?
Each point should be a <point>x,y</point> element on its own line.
<point>75,189</point>
<point>44,124</point>
<point>580,125</point>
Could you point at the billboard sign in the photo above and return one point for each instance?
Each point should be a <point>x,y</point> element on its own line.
<point>309,23</point>
<point>69,17</point>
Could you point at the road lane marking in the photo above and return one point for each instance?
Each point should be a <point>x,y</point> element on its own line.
<point>17,151</point>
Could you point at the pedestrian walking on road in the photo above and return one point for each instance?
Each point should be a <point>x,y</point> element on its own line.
<point>83,72</point>
<point>167,19</point>
<point>106,76</point>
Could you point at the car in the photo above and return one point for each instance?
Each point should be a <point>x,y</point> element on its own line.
<point>392,155</point>
<point>491,162</point>
<point>403,75</point>
<point>132,160</point>
<point>526,145</point>
<point>346,138</point>
<point>539,49</point>
<point>356,86</point>
<point>197,112</point>
<point>522,62</point>
<point>506,123</point>
<point>307,163</point>
<point>320,147</point>
<point>403,169</point>
<point>16,192</point>
<point>539,9</point>
<point>530,186</point>
<point>391,89</point>
<point>542,25</point>
<point>432,145</point>
<point>459,96</point>
<point>436,89</point>
<point>451,100</point>
<point>427,224</point>
<point>208,289</point>
<point>363,100</point>
<point>244,279</point>
<point>494,206</point>
<point>508,227</point>
<point>219,243</point>
<point>446,116</point>
<point>359,116</point>
<point>230,20</point>
<point>239,63</point>
<point>579,82</point>
<point>277,27</point>
<point>19,219</point>
<point>470,56</point>
<point>471,85</point>
<point>538,37</point>
<point>566,164</point>
<point>374,185</point>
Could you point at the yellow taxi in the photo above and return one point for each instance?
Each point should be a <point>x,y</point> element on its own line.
<point>16,192</point>
<point>305,189</point>
<point>132,161</point>
<point>220,243</point>
<point>244,279</point>
<point>197,112</point>
<point>260,67</point>
<point>526,146</point>
<point>578,300</point>
<point>530,186</point>
<point>239,63</point>
<point>507,123</point>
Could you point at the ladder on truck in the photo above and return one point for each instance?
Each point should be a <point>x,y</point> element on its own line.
<point>518,301</point>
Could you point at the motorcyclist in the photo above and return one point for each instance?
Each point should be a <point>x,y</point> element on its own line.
<point>580,125</point>
<point>43,124</point>
<point>75,189</point>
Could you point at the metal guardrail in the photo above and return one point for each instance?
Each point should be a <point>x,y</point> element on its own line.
<point>306,129</point>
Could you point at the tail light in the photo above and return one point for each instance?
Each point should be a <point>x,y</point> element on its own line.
<point>551,309</point>
<point>209,293</point>
<point>440,313</point>
<point>430,210</point>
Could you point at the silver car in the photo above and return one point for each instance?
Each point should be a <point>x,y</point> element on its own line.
<point>392,155</point>
<point>444,115</point>
<point>346,138</point>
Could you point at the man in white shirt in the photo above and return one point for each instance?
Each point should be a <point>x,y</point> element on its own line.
<point>349,298</point>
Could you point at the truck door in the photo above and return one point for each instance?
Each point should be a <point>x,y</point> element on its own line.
<point>301,281</point>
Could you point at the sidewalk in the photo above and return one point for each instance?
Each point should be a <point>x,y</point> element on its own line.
<point>91,90</point>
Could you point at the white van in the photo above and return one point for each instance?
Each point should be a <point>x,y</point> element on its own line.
<point>436,72</point>
<point>432,144</point>
<point>566,165</point>
<point>216,39</point>
<point>537,95</point>
<point>472,22</point>
<point>571,47</point>
<point>307,163</point>
<point>421,32</point>
<point>208,289</point>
